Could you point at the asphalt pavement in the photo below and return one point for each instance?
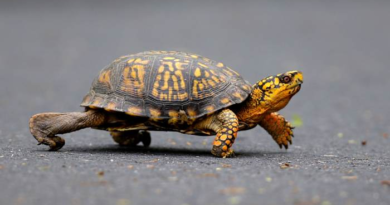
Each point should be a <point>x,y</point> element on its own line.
<point>50,51</point>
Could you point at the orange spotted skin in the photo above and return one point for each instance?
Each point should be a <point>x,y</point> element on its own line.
<point>278,128</point>
<point>175,91</point>
<point>225,136</point>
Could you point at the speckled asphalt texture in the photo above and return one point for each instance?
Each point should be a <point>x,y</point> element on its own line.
<point>50,52</point>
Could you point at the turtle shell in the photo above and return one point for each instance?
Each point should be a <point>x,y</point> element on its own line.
<point>166,84</point>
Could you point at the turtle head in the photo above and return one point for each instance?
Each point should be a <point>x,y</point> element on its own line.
<point>274,92</point>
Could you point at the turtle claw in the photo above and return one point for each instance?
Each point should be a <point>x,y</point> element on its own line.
<point>55,143</point>
<point>229,154</point>
<point>286,146</point>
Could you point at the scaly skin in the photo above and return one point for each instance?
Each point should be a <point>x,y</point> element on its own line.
<point>278,128</point>
<point>226,134</point>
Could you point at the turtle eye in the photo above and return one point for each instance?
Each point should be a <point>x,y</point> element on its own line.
<point>286,79</point>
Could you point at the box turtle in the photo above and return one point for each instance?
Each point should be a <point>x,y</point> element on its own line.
<point>175,91</point>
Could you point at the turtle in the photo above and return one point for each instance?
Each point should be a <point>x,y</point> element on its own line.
<point>175,91</point>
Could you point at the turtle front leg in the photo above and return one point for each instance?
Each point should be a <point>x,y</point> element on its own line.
<point>131,138</point>
<point>45,126</point>
<point>226,128</point>
<point>279,128</point>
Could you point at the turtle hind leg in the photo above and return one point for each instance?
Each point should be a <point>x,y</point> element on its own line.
<point>45,126</point>
<point>131,138</point>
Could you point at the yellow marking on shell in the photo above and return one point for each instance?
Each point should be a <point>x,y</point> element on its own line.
<point>134,111</point>
<point>175,84</point>
<point>130,61</point>
<point>194,56</point>
<point>169,58</point>
<point>197,72</point>
<point>133,74</point>
<point>179,74</point>
<point>163,96</point>
<point>195,88</point>
<point>170,94</point>
<point>160,69</point>
<point>210,108</point>
<point>215,79</point>
<point>220,65</point>
<point>105,77</point>
<point>156,85</point>
<point>246,87</point>
<point>211,83</point>
<point>179,65</point>
<point>223,137</point>
<point>228,72</point>
<point>169,64</point>
<point>225,100</point>
<point>133,79</point>
<point>154,112</point>
<point>203,65</point>
<point>96,102</point>
<point>204,82</point>
<point>141,74</point>
<point>182,96</point>
<point>206,73</point>
<point>140,61</point>
<point>155,92</point>
<point>201,86</point>
<point>167,75</point>
<point>238,95</point>
<point>228,142</point>
<point>213,72</point>
<point>110,107</point>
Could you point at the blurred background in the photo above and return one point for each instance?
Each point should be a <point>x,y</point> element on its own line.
<point>50,51</point>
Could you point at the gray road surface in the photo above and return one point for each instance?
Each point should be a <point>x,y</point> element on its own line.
<point>51,50</point>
